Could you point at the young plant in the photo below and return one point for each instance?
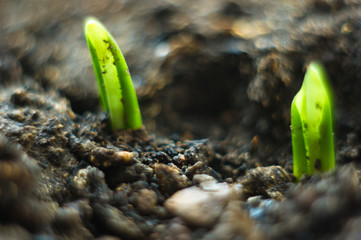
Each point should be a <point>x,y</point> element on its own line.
<point>312,124</point>
<point>116,88</point>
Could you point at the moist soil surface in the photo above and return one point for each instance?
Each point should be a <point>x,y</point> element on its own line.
<point>215,81</point>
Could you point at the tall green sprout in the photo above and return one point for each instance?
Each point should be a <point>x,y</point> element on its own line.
<point>116,88</point>
<point>312,124</point>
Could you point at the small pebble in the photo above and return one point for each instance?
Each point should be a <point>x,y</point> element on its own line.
<point>197,206</point>
<point>199,178</point>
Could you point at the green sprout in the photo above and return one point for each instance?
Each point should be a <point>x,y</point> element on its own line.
<point>312,124</point>
<point>116,88</point>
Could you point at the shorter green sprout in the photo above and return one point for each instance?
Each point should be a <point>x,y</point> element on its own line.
<point>312,124</point>
<point>116,88</point>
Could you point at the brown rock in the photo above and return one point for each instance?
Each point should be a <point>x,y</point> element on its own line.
<point>147,201</point>
<point>170,178</point>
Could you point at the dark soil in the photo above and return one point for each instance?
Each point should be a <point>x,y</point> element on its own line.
<point>215,80</point>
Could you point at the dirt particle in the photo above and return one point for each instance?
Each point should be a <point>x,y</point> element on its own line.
<point>266,181</point>
<point>105,157</point>
<point>169,178</point>
<point>318,164</point>
<point>146,201</point>
<point>113,220</point>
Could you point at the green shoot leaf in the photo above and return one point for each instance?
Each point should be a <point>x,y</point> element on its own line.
<point>115,85</point>
<point>312,124</point>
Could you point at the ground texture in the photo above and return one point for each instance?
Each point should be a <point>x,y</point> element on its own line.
<point>215,80</point>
